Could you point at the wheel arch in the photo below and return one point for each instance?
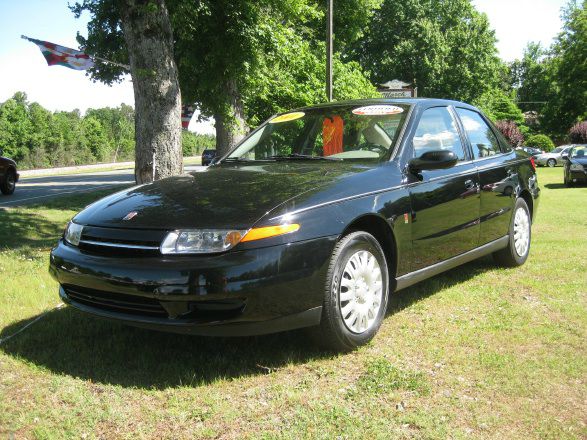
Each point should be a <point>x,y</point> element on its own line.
<point>379,228</point>
<point>525,194</point>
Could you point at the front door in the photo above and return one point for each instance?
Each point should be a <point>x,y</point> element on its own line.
<point>445,203</point>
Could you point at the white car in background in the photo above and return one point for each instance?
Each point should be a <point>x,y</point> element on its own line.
<point>554,158</point>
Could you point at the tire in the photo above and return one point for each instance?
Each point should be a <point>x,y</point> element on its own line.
<point>8,185</point>
<point>551,163</point>
<point>520,237</point>
<point>357,271</point>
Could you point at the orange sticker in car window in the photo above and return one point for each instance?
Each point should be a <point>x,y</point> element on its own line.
<point>287,117</point>
<point>378,110</point>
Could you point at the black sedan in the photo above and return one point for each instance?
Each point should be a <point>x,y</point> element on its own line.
<point>208,156</point>
<point>311,221</point>
<point>8,175</point>
<point>576,165</point>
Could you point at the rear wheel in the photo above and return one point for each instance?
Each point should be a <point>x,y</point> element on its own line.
<point>551,163</point>
<point>356,293</point>
<point>518,248</point>
<point>8,185</point>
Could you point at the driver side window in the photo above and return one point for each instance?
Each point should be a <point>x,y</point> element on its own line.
<point>437,130</point>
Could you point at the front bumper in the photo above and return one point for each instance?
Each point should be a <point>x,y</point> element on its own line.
<point>242,293</point>
<point>578,176</point>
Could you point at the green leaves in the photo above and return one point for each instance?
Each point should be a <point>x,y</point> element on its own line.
<point>445,47</point>
<point>36,137</point>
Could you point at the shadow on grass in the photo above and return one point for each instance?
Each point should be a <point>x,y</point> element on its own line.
<point>562,185</point>
<point>555,186</point>
<point>70,342</point>
<point>29,227</point>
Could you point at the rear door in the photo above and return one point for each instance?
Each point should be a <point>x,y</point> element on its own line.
<point>498,174</point>
<point>445,203</point>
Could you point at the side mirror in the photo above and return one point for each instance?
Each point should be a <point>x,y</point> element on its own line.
<point>433,160</point>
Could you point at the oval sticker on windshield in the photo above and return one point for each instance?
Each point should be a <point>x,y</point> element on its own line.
<point>378,110</point>
<point>287,117</point>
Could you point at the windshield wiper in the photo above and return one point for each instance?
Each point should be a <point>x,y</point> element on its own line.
<point>302,157</point>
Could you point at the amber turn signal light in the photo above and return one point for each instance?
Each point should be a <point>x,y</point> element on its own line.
<point>270,231</point>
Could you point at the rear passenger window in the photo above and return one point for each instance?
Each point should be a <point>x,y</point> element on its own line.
<point>482,138</point>
<point>437,130</point>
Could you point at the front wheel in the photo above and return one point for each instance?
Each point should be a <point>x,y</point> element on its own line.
<point>8,185</point>
<point>551,163</point>
<point>356,293</point>
<point>520,234</point>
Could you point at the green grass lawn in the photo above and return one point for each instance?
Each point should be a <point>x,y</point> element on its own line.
<point>478,352</point>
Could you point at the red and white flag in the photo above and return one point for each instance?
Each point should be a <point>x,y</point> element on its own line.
<point>63,56</point>
<point>187,111</point>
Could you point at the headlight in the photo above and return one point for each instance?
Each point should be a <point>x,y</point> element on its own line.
<point>201,241</point>
<point>73,233</point>
<point>207,241</point>
<point>576,167</point>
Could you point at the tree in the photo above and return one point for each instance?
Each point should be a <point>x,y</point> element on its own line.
<point>571,65</point>
<point>15,126</point>
<point>228,54</point>
<point>511,132</point>
<point>498,106</point>
<point>540,141</point>
<point>578,133</point>
<point>556,76</point>
<point>445,47</point>
<point>148,41</point>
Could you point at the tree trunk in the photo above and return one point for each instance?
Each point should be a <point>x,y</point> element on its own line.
<point>149,39</point>
<point>231,127</point>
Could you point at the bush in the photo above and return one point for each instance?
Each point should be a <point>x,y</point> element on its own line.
<point>499,106</point>
<point>578,133</point>
<point>540,141</point>
<point>511,132</point>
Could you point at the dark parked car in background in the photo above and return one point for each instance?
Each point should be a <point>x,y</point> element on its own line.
<point>8,175</point>
<point>311,221</point>
<point>208,156</point>
<point>576,165</point>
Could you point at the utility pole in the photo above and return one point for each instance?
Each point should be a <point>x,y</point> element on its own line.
<point>329,51</point>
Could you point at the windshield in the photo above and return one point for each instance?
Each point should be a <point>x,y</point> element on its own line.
<point>333,133</point>
<point>557,150</point>
<point>579,152</point>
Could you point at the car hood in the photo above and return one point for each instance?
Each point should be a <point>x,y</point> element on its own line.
<point>226,196</point>
<point>581,161</point>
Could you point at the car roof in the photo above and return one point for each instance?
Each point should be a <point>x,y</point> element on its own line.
<point>424,102</point>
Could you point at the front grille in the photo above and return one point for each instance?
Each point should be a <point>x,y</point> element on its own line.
<point>121,242</point>
<point>202,311</point>
<point>116,302</point>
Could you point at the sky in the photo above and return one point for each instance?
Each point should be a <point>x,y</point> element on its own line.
<point>23,68</point>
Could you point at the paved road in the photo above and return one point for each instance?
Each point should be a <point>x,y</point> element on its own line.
<point>38,189</point>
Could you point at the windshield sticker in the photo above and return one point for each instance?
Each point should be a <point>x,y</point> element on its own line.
<point>287,117</point>
<point>378,110</point>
